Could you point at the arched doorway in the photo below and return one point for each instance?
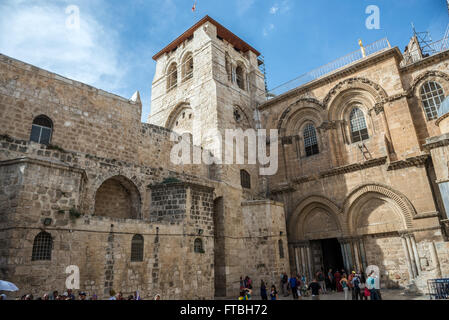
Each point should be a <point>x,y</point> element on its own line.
<point>315,230</point>
<point>119,198</point>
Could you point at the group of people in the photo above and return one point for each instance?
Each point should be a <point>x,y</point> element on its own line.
<point>69,295</point>
<point>355,286</point>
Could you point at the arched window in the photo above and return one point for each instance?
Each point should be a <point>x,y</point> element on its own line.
<point>198,246</point>
<point>42,246</point>
<point>172,76</point>
<point>432,95</point>
<point>281,249</point>
<point>240,77</point>
<point>137,248</point>
<point>310,140</point>
<point>42,129</point>
<point>245,179</point>
<point>187,67</point>
<point>359,131</point>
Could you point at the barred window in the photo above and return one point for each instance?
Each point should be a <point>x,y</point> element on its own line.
<point>359,131</point>
<point>245,179</point>
<point>137,248</point>
<point>198,246</point>
<point>41,130</point>
<point>172,76</point>
<point>187,67</point>
<point>432,95</point>
<point>42,246</point>
<point>281,249</point>
<point>310,140</point>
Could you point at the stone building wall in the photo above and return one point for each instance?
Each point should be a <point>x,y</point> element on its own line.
<point>351,190</point>
<point>94,181</point>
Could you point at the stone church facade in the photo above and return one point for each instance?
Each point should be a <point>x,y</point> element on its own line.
<point>362,179</point>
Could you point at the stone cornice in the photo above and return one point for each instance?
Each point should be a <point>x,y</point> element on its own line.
<point>436,142</point>
<point>409,162</point>
<point>426,61</point>
<point>183,184</point>
<point>339,74</point>
<point>354,167</point>
<point>45,163</point>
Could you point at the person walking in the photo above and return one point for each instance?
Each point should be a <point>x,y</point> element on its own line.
<point>337,277</point>
<point>344,285</point>
<point>351,287</point>
<point>285,285</point>
<point>263,290</point>
<point>356,282</point>
<point>273,293</point>
<point>294,286</point>
<point>321,281</point>
<point>330,277</point>
<point>315,287</point>
<point>371,286</point>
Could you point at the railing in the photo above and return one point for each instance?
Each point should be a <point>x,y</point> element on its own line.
<point>370,49</point>
<point>427,51</point>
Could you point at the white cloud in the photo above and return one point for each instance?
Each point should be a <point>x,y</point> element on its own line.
<point>244,5</point>
<point>283,7</point>
<point>38,34</point>
<point>267,30</point>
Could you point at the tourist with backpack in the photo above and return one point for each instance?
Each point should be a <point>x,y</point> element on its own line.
<point>345,286</point>
<point>355,287</point>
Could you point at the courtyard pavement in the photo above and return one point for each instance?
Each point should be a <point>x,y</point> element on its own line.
<point>386,295</point>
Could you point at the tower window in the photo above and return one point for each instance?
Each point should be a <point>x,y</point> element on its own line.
<point>359,131</point>
<point>172,77</point>
<point>310,140</point>
<point>240,77</point>
<point>137,248</point>
<point>281,249</point>
<point>198,246</point>
<point>42,246</point>
<point>245,179</point>
<point>432,95</point>
<point>42,130</point>
<point>187,67</point>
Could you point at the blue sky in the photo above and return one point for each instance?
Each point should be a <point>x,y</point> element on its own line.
<point>113,47</point>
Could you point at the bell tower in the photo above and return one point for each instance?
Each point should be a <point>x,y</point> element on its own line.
<point>206,81</point>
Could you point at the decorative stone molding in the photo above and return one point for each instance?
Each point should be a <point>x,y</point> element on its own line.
<point>436,142</point>
<point>291,107</point>
<point>425,76</point>
<point>354,167</point>
<point>328,125</point>
<point>359,83</point>
<point>404,204</point>
<point>409,162</point>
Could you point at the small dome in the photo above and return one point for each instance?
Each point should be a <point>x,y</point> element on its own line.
<point>444,107</point>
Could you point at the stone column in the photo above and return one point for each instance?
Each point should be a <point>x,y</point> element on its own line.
<point>415,252</point>
<point>304,261</point>
<point>349,255</point>
<point>407,257</point>
<point>362,255</point>
<point>297,259</point>
<point>412,257</point>
<point>309,255</point>
<point>355,244</point>
<point>435,260</point>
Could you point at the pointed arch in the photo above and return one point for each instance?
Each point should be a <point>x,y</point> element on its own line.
<point>321,208</point>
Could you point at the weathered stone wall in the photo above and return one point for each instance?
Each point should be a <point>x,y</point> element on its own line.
<point>332,194</point>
